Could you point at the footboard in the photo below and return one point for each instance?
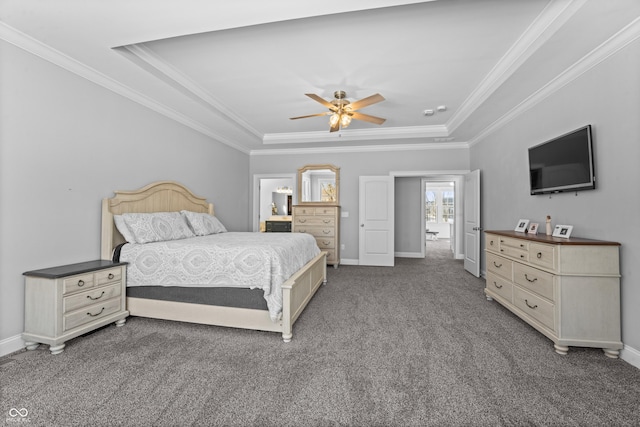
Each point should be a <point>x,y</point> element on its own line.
<point>299,289</point>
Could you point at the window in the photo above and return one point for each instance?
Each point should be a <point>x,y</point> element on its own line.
<point>447,206</point>
<point>431,207</point>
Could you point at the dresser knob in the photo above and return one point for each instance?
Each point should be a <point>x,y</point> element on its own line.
<point>539,255</point>
<point>110,276</point>
<point>80,282</point>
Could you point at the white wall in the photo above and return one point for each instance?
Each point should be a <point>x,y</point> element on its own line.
<point>606,96</point>
<point>66,143</point>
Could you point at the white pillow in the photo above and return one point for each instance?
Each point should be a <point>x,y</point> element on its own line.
<point>203,224</point>
<point>157,226</point>
<point>123,229</point>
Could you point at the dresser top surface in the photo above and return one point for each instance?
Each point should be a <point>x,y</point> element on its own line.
<point>72,269</point>
<point>543,238</point>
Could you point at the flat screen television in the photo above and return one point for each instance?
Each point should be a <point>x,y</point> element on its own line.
<point>564,163</point>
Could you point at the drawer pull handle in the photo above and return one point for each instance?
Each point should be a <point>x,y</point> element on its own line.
<point>97,314</point>
<point>302,220</point>
<point>539,255</point>
<point>80,283</point>
<point>326,231</point>
<point>96,298</point>
<point>326,243</point>
<point>110,276</point>
<point>326,221</point>
<point>521,245</point>
<point>521,256</point>
<point>530,280</point>
<point>496,265</point>
<point>496,285</point>
<point>530,306</point>
<point>491,243</point>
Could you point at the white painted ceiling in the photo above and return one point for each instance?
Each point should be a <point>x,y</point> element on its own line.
<point>237,70</point>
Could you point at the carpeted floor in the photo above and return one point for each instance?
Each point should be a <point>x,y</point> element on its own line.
<point>412,345</point>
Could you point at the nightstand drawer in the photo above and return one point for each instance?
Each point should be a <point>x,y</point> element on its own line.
<point>108,276</point>
<point>78,283</point>
<point>542,255</point>
<point>90,297</point>
<point>91,313</point>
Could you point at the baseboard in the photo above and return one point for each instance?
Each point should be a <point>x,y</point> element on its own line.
<point>11,345</point>
<point>347,261</point>
<point>630,355</point>
<point>409,255</point>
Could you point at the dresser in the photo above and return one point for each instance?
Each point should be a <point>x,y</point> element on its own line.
<point>567,289</point>
<point>323,222</point>
<point>64,302</point>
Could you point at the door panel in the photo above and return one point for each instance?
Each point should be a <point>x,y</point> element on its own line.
<point>376,206</point>
<point>472,222</point>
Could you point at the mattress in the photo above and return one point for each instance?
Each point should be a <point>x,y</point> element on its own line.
<point>232,259</point>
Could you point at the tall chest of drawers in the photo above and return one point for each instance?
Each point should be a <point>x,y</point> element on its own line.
<point>64,302</point>
<point>323,222</point>
<point>567,289</point>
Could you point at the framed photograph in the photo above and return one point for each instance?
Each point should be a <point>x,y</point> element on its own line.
<point>533,228</point>
<point>522,225</point>
<point>562,231</point>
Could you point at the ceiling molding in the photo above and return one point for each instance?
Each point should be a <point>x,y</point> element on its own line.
<point>546,24</point>
<point>170,75</point>
<point>49,54</point>
<point>357,135</point>
<point>609,47</point>
<point>362,149</point>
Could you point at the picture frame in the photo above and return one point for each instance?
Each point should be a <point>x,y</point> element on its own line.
<point>533,228</point>
<point>522,225</point>
<point>563,231</point>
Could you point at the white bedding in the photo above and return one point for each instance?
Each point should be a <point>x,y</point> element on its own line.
<point>244,260</point>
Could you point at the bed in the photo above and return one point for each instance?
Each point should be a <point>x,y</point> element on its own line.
<point>230,306</point>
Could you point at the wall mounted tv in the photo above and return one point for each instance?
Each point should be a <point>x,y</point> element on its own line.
<point>564,163</point>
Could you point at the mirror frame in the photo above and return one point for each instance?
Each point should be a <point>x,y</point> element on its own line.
<point>332,168</point>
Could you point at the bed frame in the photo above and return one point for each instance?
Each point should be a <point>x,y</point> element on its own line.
<point>169,196</point>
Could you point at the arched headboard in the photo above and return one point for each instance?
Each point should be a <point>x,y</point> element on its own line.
<point>161,196</point>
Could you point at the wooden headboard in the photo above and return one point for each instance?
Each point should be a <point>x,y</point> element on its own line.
<point>161,196</point>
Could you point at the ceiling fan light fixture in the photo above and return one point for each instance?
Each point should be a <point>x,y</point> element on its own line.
<point>334,119</point>
<point>345,120</point>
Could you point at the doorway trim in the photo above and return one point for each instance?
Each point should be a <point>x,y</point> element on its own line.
<point>456,176</point>
<point>255,220</point>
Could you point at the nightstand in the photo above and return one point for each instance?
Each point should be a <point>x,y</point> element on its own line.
<point>64,302</point>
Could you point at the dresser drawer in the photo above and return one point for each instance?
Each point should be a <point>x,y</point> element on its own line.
<point>78,283</point>
<point>303,210</point>
<point>543,255</point>
<point>500,266</point>
<point>500,286</point>
<point>315,220</point>
<point>325,211</point>
<point>533,279</point>
<point>535,307</point>
<point>518,253</point>
<point>326,242</point>
<point>90,297</point>
<point>507,242</point>
<point>108,276</point>
<point>317,231</point>
<point>492,243</point>
<point>91,313</point>
<point>332,256</point>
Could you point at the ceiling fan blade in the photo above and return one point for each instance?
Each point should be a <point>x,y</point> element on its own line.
<point>368,118</point>
<point>321,101</point>
<point>356,105</point>
<point>310,115</point>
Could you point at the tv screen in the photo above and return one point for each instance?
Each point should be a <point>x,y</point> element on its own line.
<point>564,163</point>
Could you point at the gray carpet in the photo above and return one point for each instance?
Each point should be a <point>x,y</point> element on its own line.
<point>412,345</point>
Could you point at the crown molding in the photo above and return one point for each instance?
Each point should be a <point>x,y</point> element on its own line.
<point>54,56</point>
<point>362,149</point>
<point>554,15</point>
<point>357,135</point>
<point>611,46</point>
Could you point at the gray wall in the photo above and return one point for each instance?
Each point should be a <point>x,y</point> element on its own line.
<point>353,165</point>
<point>66,143</point>
<point>607,98</point>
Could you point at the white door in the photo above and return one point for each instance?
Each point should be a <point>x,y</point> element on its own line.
<point>472,228</point>
<point>376,217</point>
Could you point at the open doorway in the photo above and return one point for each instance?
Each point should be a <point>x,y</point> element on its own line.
<point>274,196</point>
<point>439,207</point>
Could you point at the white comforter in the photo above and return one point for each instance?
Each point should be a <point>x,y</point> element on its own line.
<point>243,260</point>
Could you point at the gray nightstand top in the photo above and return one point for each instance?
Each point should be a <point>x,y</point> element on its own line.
<point>72,269</point>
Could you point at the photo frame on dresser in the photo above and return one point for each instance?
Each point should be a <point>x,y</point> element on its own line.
<point>522,225</point>
<point>533,228</point>
<point>563,231</point>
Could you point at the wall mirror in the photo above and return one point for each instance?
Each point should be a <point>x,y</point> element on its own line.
<point>319,184</point>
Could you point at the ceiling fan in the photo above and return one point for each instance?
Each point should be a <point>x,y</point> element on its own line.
<point>341,110</point>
